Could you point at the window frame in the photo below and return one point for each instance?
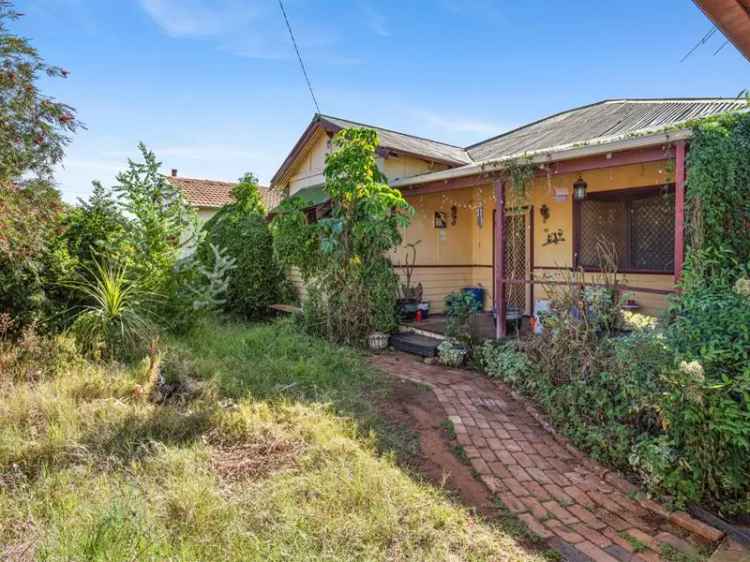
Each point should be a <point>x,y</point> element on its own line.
<point>627,194</point>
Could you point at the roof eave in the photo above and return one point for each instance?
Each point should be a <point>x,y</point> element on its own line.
<point>549,156</point>
<point>733,20</point>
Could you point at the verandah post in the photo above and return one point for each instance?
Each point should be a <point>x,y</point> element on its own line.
<point>679,211</point>
<point>500,326</point>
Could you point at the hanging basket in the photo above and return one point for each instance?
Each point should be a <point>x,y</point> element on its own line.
<point>377,341</point>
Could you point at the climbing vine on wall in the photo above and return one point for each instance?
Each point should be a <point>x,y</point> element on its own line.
<point>706,410</point>
<point>718,198</point>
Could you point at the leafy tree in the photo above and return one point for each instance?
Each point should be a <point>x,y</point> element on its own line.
<point>352,288</point>
<point>33,258</point>
<point>161,224</point>
<point>96,227</point>
<point>34,128</point>
<point>241,229</point>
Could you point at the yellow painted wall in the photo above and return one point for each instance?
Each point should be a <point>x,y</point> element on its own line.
<point>469,245</point>
<point>463,244</point>
<point>308,170</point>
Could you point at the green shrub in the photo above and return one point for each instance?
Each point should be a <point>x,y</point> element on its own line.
<point>114,324</point>
<point>706,406</point>
<point>32,357</point>
<point>96,228</point>
<point>241,230</point>
<point>504,361</point>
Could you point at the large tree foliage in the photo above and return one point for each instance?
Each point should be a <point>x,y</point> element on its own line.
<point>352,288</point>
<point>241,229</point>
<point>34,128</point>
<point>33,258</point>
<point>161,225</point>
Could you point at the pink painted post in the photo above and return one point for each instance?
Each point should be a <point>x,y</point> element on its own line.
<point>500,327</point>
<point>679,210</point>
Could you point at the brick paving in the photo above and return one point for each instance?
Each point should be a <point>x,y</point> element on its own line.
<point>582,509</point>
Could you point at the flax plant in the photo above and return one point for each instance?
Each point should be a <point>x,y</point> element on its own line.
<point>114,324</point>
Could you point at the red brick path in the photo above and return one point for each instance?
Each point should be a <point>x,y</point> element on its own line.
<point>578,506</point>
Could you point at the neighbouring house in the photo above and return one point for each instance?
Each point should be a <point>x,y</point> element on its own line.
<point>208,196</point>
<point>732,18</point>
<point>613,169</point>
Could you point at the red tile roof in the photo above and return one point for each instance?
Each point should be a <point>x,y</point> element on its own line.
<point>211,194</point>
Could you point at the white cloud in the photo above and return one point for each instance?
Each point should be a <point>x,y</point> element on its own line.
<point>459,124</point>
<point>376,21</point>
<point>200,18</point>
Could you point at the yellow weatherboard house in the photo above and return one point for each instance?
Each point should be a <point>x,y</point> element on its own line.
<point>611,171</point>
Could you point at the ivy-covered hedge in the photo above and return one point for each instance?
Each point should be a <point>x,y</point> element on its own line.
<point>242,231</point>
<point>706,410</point>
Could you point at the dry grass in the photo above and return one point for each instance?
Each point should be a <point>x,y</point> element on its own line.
<point>266,462</point>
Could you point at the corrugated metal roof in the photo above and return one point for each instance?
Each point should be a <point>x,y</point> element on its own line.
<point>598,122</point>
<point>418,146</point>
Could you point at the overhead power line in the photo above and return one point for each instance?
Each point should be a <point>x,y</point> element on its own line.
<point>299,57</point>
<point>702,41</point>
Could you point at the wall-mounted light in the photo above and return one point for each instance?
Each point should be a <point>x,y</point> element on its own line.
<point>454,215</point>
<point>544,211</point>
<point>480,216</point>
<point>579,189</point>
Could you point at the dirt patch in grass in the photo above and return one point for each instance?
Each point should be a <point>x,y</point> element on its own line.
<point>439,457</point>
<point>253,460</point>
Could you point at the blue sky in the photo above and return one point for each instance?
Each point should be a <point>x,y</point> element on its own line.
<point>213,86</point>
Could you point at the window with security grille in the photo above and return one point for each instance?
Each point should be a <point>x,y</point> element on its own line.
<point>638,223</point>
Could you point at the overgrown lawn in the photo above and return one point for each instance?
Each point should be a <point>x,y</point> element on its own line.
<point>271,449</point>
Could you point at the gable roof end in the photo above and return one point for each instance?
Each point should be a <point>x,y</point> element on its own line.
<point>403,143</point>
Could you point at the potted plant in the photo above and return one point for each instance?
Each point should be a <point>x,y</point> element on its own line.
<point>377,341</point>
<point>411,296</point>
<point>461,308</point>
<point>452,353</point>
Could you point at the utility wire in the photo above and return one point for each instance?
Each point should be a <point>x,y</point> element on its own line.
<point>299,57</point>
<point>703,40</point>
<point>724,44</point>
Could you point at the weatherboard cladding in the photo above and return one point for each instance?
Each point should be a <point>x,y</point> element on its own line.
<point>605,119</point>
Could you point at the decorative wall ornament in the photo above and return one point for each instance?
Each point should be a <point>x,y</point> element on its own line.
<point>454,215</point>
<point>544,211</point>
<point>554,237</point>
<point>441,220</point>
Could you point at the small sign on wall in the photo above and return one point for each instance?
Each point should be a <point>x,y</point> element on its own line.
<point>560,194</point>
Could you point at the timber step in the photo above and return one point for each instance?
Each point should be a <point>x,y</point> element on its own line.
<point>415,344</point>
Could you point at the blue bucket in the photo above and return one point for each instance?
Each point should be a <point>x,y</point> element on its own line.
<point>477,293</point>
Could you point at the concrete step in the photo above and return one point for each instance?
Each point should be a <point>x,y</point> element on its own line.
<point>415,344</point>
